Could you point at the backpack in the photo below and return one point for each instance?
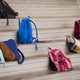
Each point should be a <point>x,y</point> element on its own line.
<point>18,54</point>
<point>24,34</point>
<point>6,11</point>
<point>58,61</point>
<point>77,29</point>
<point>2,60</point>
<point>73,44</point>
<point>11,52</point>
<point>7,53</point>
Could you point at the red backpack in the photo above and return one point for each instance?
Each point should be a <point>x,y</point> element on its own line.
<point>77,29</point>
<point>59,61</point>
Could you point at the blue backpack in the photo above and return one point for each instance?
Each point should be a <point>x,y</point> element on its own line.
<point>18,54</point>
<point>24,34</point>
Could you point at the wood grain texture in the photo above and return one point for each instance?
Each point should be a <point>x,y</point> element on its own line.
<point>54,20</point>
<point>48,2</point>
<point>42,23</point>
<point>41,65</point>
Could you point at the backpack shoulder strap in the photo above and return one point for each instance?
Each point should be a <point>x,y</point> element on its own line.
<point>36,38</point>
<point>21,60</point>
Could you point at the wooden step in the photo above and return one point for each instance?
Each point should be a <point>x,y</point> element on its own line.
<point>41,5</point>
<point>78,2</point>
<point>50,76</point>
<point>41,23</point>
<point>34,11</point>
<point>57,35</point>
<point>29,49</point>
<point>41,2</point>
<point>49,12</point>
<point>54,20</point>
<point>57,76</point>
<point>43,34</point>
<point>32,65</point>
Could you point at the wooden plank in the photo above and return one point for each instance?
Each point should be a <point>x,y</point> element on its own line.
<point>37,59</point>
<point>78,2</point>
<point>68,77</point>
<point>51,2</point>
<point>59,76</point>
<point>7,75</point>
<point>40,5</point>
<point>36,76</point>
<point>48,76</point>
<point>45,5</point>
<point>42,47</point>
<point>50,21</point>
<point>41,58</point>
<point>39,69</point>
<point>43,34</point>
<point>50,12</point>
<point>41,23</point>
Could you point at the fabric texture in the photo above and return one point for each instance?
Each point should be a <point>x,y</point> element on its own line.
<point>7,12</point>
<point>18,54</point>
<point>2,60</point>
<point>77,29</point>
<point>61,61</point>
<point>24,34</point>
<point>7,53</point>
<point>73,44</point>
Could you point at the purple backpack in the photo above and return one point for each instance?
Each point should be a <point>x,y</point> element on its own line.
<point>59,61</point>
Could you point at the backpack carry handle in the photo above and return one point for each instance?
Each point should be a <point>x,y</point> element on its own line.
<point>49,48</point>
<point>68,37</point>
<point>36,39</point>
<point>18,20</point>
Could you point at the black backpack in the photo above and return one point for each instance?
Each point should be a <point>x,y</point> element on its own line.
<point>7,12</point>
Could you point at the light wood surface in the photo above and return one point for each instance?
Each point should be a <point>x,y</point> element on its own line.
<point>54,20</point>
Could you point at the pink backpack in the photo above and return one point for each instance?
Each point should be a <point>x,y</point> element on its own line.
<point>77,29</point>
<point>59,61</point>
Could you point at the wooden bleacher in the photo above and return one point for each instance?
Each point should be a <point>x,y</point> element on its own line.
<point>54,20</point>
